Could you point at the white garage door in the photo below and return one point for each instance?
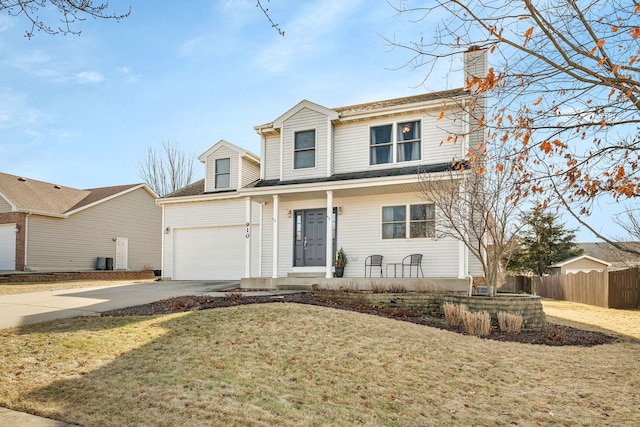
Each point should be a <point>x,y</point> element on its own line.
<point>7,247</point>
<point>213,253</point>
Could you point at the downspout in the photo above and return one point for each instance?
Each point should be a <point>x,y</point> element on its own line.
<point>26,239</point>
<point>162,245</point>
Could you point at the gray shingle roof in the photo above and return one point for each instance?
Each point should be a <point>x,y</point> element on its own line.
<point>38,196</point>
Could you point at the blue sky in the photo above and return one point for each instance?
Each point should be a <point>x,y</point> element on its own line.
<point>80,111</point>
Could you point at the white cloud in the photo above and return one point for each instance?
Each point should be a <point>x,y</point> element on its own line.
<point>15,111</point>
<point>89,77</point>
<point>129,75</point>
<point>305,32</point>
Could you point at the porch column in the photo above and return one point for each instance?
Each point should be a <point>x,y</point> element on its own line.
<point>247,237</point>
<point>329,238</point>
<point>276,233</point>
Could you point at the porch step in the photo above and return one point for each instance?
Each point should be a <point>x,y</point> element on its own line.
<point>308,275</point>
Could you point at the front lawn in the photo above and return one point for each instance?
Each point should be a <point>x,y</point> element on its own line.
<point>296,365</point>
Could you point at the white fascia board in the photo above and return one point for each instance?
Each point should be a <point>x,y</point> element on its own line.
<point>198,198</point>
<point>338,185</point>
<point>42,213</point>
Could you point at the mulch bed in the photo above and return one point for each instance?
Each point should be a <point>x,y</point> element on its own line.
<point>555,335</point>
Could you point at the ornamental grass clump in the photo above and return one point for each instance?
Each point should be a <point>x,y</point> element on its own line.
<point>477,323</point>
<point>453,314</point>
<point>509,322</point>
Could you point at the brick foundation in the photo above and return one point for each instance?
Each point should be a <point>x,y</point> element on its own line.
<point>76,275</point>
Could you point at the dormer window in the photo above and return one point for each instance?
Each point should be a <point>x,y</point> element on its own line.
<point>223,173</point>
<point>404,147</point>
<point>304,153</point>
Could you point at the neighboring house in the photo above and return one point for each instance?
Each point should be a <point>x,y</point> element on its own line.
<point>619,260</point>
<point>328,178</point>
<point>45,226</point>
<point>579,264</point>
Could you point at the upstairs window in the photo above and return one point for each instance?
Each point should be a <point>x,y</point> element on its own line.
<point>223,173</point>
<point>412,221</point>
<point>406,146</point>
<point>381,145</point>
<point>304,151</point>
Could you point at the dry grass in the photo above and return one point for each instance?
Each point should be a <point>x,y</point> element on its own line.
<point>510,322</point>
<point>476,323</point>
<point>623,323</point>
<point>295,365</point>
<point>22,288</point>
<point>454,313</point>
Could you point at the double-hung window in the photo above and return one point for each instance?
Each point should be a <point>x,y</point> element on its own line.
<point>223,173</point>
<point>408,221</point>
<point>405,147</point>
<point>304,151</point>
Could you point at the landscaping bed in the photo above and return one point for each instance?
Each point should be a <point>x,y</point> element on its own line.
<point>553,335</point>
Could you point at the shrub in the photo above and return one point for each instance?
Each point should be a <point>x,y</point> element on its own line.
<point>556,334</point>
<point>477,323</point>
<point>377,288</point>
<point>398,289</point>
<point>509,322</point>
<point>453,314</point>
<point>235,296</point>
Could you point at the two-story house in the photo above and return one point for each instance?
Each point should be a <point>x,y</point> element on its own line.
<point>328,178</point>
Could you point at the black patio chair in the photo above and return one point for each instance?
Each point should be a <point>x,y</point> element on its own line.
<point>413,260</point>
<point>373,261</point>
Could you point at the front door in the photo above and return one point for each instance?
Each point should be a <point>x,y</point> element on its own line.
<point>310,234</point>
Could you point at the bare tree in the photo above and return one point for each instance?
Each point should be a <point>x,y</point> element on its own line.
<point>564,89</point>
<point>629,221</point>
<point>166,170</point>
<point>477,207</point>
<point>71,11</point>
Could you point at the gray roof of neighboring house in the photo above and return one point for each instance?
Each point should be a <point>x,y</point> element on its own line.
<point>617,258</point>
<point>28,194</point>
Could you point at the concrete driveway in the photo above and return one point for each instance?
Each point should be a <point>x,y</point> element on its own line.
<point>24,309</point>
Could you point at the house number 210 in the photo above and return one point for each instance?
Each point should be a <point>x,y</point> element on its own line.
<point>248,234</point>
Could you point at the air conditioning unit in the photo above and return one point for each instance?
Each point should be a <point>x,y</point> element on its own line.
<point>482,290</point>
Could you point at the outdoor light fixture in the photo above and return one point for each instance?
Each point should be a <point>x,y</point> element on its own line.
<point>289,214</point>
<point>167,230</point>
<point>339,210</point>
<point>17,229</point>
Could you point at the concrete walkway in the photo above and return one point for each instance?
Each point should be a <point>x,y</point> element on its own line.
<point>23,309</point>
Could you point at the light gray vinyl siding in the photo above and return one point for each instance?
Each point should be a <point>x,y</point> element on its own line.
<point>303,120</point>
<point>359,233</point>
<point>271,157</point>
<point>219,213</point>
<point>4,205</point>
<point>221,153</point>
<point>75,242</point>
<point>351,142</point>
<point>250,172</point>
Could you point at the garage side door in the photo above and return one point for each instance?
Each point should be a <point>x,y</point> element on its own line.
<point>212,253</point>
<point>7,247</point>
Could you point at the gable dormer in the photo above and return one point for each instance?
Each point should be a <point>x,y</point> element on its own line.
<point>228,167</point>
<point>298,144</point>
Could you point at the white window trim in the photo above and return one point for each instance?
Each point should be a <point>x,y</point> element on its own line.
<point>407,221</point>
<point>394,142</point>
<point>293,150</point>
<point>216,174</point>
